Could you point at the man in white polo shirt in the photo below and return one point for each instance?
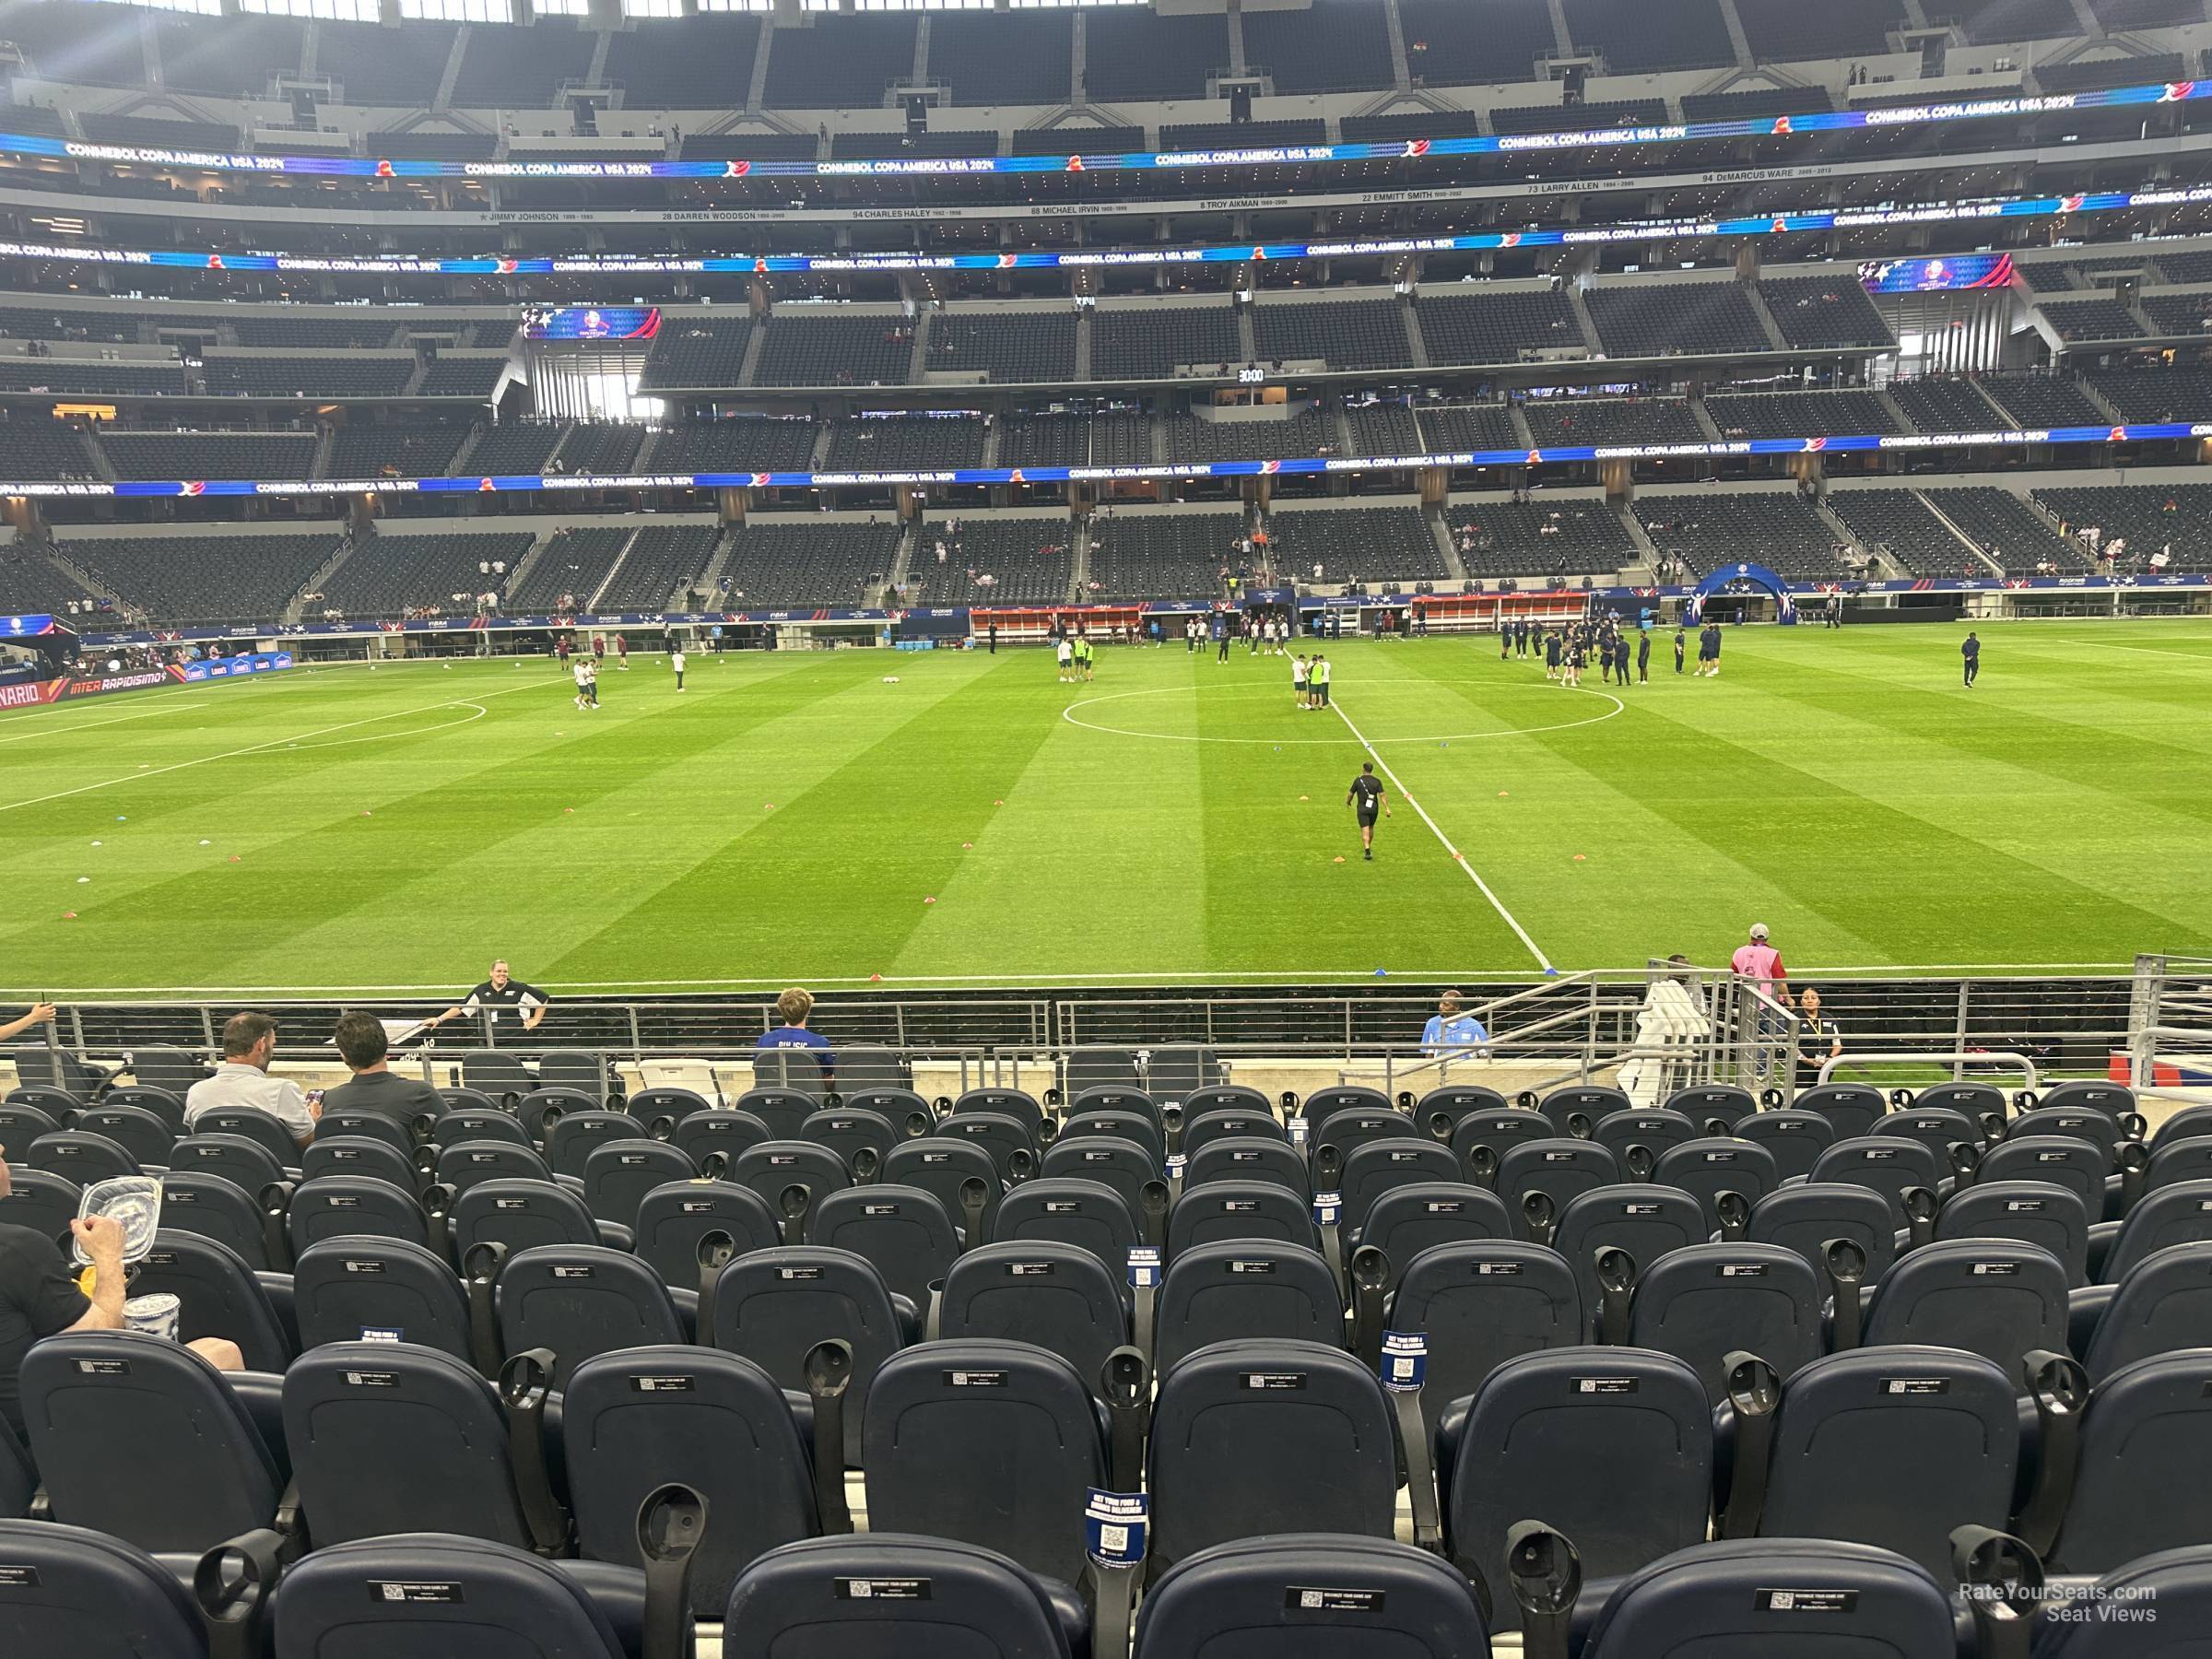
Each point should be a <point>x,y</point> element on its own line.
<point>243,1079</point>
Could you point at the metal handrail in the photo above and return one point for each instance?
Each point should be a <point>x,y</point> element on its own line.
<point>1910,1057</point>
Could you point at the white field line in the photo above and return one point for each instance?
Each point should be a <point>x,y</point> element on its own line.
<point>1458,858</point>
<point>86,726</point>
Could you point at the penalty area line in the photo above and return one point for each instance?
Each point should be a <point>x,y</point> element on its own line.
<point>1458,858</point>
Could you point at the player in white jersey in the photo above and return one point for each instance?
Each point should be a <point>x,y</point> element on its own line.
<point>675,661</point>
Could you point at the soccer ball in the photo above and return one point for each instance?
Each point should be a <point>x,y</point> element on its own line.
<point>890,679</point>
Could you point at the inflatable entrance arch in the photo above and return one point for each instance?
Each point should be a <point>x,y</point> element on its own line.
<point>1726,576</point>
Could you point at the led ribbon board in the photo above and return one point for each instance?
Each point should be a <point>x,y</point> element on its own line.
<point>1591,139</point>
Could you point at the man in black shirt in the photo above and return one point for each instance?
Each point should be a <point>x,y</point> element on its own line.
<point>365,1048</point>
<point>502,990</point>
<point>1369,797</point>
<point>38,1297</point>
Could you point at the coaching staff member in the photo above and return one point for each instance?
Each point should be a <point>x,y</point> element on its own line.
<point>502,990</point>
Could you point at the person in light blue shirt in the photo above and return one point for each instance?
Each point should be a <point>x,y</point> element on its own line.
<point>1452,1032</point>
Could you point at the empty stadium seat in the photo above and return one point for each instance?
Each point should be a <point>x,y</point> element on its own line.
<point>1480,1305</point>
<point>774,1306</point>
<point>71,1589</point>
<point>581,1301</point>
<point>1240,1288</point>
<point>1991,1297</point>
<point>352,1288</point>
<point>902,1229</point>
<point>1312,1596</point>
<point>863,1596</point>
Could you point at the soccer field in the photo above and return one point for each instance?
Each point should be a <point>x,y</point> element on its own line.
<point>794,818</point>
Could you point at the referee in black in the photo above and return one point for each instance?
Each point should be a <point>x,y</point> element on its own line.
<point>1369,797</point>
<point>501,991</point>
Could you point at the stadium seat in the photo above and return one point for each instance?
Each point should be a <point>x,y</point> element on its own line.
<point>1406,1220</point>
<point>582,1300</point>
<point>1558,1171</point>
<point>1240,1209</point>
<point>1125,1166</point>
<point>171,1070</point>
<point>773,1169</point>
<point>72,1590</point>
<point>797,1070</point>
<point>1743,1596</point>
<point>947,1168</point>
<point>168,1107</point>
<point>498,1075</point>
<point>634,1421</point>
<point>1896,1447</point>
<point>1082,1213</point>
<point>1007,1102</point>
<point>2147,1430</point>
<point>1220,1122</point>
<point>1886,1163</point>
<point>42,1201</point>
<point>1708,1168</point>
<point>1246,1434</point>
<point>783,1110</point>
<point>369,1290</point>
<point>866,1068</point>
<point>2080,1166</point>
<point>573,1068</point>
<point>1313,1595</point>
<point>138,1438</point>
<point>1484,1136</point>
<point>2162,1304</point>
<point>1225,1097</point>
<point>572,1138</point>
<point>618,1175</point>
<point>773,1307</point>
<point>215,1208</point>
<point>1132,1126</point>
<point>145,1135</point>
<point>520,1214</point>
<point>32,1110</point>
<point>462,1165</point>
<point>1851,1107</point>
<point>1974,1102</point>
<point>1354,1127</point>
<point>2176,1584</point>
<point>847,1130</point>
<point>1794,1139</point>
<point>2111,1101</point>
<point>2192,1122</point>
<point>246,1164</point>
<point>340,1600</point>
<point>675,1217</point>
<point>465,1123</point>
<point>2079,1123</point>
<point>1118,1098</point>
<point>2175,1163</point>
<point>902,1229</point>
<point>730,1134</point>
<point>1480,1305</point>
<point>250,1124</point>
<point>990,1443</point>
<point>2181,1214</point>
<point>1938,1128</point>
<point>1457,1101</point>
<point>1995,1298</point>
<point>1657,1131</point>
<point>1005,1139</point>
<point>218,1296</point>
<point>542,1108</point>
<point>652,1106</point>
<point>1245,1158</point>
<point>1644,1219</point>
<point>358,1155</point>
<point>1378,1166</point>
<point>1703,1103</point>
<point>1245,1289</point>
<point>1611,1446</point>
<point>1056,1297</point>
<point>2035,1212</point>
<point>80,1158</point>
<point>332,1206</point>
<point>348,1406</point>
<point>1805,1217</point>
<point>1708,1301</point>
<point>820,1597</point>
<point>1581,1103</point>
<point>473,1100</point>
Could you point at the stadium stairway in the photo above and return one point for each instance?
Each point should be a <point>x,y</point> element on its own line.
<point>902,562</point>
<point>1434,515</point>
<point>718,566</point>
<point>2088,389</point>
<point>442,99</point>
<point>1965,540</point>
<point>458,467</point>
<point>1850,537</point>
<point>326,441</point>
<point>296,608</point>
<point>1575,308</point>
<point>613,570</point>
<point>1892,408</point>
<point>1775,342</point>
<point>1706,424</point>
<point>520,572</point>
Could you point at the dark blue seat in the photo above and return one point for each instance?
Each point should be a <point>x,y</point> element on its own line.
<point>941,1168</point>
<point>215,1208</point>
<point>774,1306</point>
<point>2139,1486</point>
<point>1888,1164</point>
<point>1058,1297</point>
<point>1851,1107</point>
<point>782,1105</point>
<point>1611,1446</point>
<point>582,1300</point>
<point>389,1436</point>
<point>42,1201</point>
<point>1657,1131</point>
<point>1580,1103</point>
<point>1560,1170</point>
<point>1706,1169</point>
<point>1795,1139</point>
<point>673,1217</point>
<point>1646,1220</point>
<point>850,1131</point>
<point>861,1598</point>
<point>1805,1217</point>
<point>1351,1129</point>
<point>2078,1164</point>
<point>1242,1288</point>
<point>139,1438</point>
<point>1482,1305</point>
<point>1121,1125</point>
<point>903,1230</point>
<point>520,1214</point>
<point>145,1135</point>
<point>1223,1122</point>
<point>1702,1103</point>
<point>357,1154</point>
<point>334,1207</point>
<point>1456,1101</point>
<point>265,1129</point>
<point>1016,1103</point>
<point>2175,1586</point>
<point>1125,1166</point>
<point>1486,1135</point>
<point>1247,1434</point>
<point>1074,1212</point>
<point>218,1296</point>
<point>634,1421</point>
<point>1894,1447</point>
<point>376,1289</point>
<point>1405,1220</point>
<point>618,1174</point>
<point>1971,1101</point>
<point>1248,1157</point>
<point>990,1443</point>
<point>2114,1100</point>
<point>344,1599</point>
<point>1379,1165</point>
<point>573,1138</point>
<point>1992,1297</point>
<point>2164,1302</point>
<point>702,1133</point>
<point>1003,1136</point>
<point>1313,1595</point>
<point>1710,1301</point>
<point>72,1591</point>
<point>462,1165</point>
<point>1780,1596</point>
<point>2035,1212</point>
<point>1240,1209</point>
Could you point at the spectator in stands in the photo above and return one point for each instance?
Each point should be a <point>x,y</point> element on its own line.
<point>39,1297</point>
<point>243,1079</point>
<point>40,1014</point>
<point>791,1010</point>
<point>502,990</point>
<point>365,1047</point>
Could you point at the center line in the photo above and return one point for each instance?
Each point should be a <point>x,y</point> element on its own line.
<point>1520,931</point>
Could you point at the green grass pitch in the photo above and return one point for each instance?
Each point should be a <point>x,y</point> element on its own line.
<point>794,818</point>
